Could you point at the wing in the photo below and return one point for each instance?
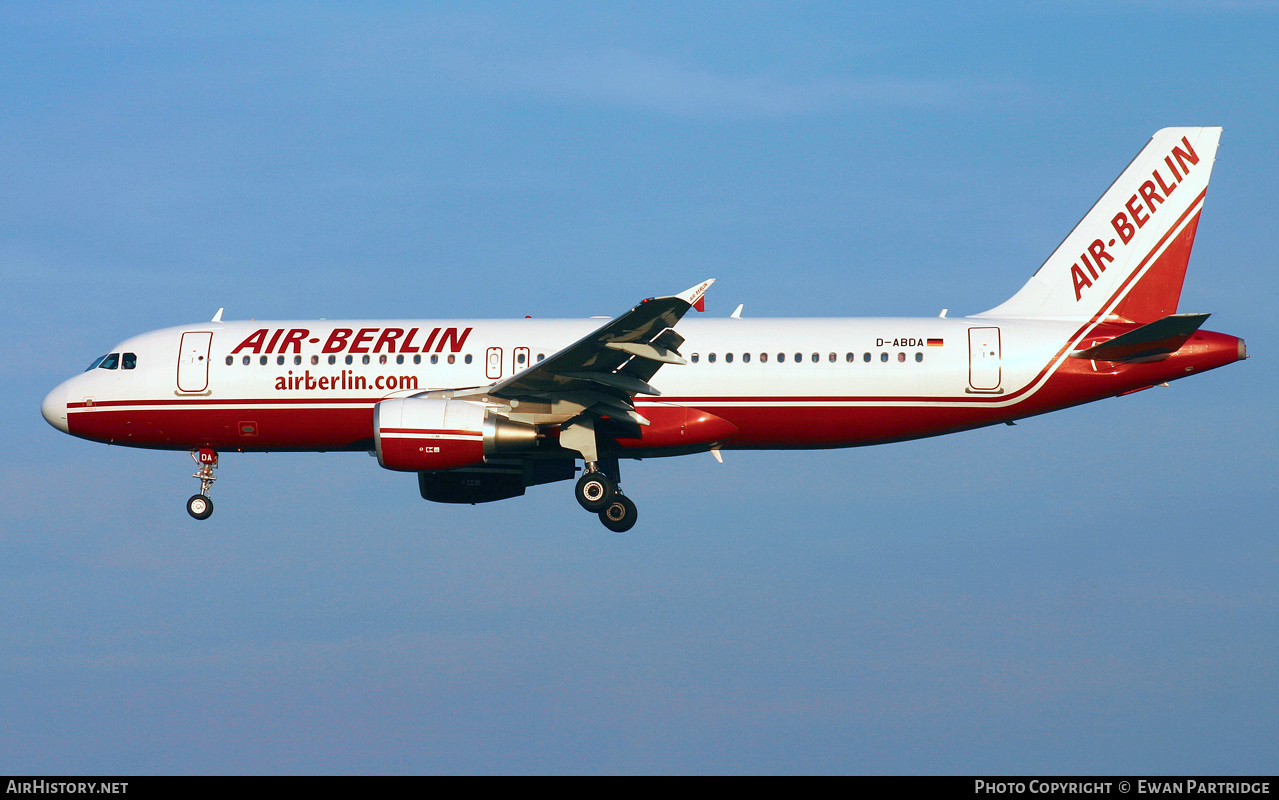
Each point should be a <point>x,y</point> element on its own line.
<point>602,372</point>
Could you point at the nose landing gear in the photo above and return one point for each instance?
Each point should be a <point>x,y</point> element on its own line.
<point>199,505</point>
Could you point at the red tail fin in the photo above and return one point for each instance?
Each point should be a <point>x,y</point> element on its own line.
<point>1126,259</point>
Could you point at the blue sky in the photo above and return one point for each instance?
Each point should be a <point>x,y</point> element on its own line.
<point>1091,591</point>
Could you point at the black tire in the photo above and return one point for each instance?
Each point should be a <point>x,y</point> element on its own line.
<point>199,506</point>
<point>619,516</point>
<point>595,491</point>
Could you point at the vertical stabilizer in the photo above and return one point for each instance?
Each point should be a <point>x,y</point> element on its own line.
<point>1126,259</point>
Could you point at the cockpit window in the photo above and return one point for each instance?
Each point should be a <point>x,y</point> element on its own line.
<point>129,361</point>
<point>110,362</point>
<point>95,363</point>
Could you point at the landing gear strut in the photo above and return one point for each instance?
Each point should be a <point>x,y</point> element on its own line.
<point>199,505</point>
<point>597,490</point>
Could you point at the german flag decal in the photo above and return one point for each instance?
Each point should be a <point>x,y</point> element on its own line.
<point>934,342</point>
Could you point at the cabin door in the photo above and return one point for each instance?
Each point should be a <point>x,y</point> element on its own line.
<point>984,366</point>
<point>193,361</point>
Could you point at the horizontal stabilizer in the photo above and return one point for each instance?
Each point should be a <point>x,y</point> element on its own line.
<point>1153,342</point>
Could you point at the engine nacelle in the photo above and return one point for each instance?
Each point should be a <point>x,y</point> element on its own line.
<point>415,434</point>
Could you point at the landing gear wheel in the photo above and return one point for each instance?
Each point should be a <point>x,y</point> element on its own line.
<point>595,491</point>
<point>619,516</point>
<point>200,506</point>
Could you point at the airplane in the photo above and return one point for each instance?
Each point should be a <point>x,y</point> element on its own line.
<point>481,410</point>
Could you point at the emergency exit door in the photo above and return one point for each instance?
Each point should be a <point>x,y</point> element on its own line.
<point>519,359</point>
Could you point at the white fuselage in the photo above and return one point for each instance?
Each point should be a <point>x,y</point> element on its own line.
<point>311,385</point>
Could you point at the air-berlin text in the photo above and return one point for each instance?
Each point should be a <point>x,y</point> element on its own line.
<point>1139,209</point>
<point>362,340</point>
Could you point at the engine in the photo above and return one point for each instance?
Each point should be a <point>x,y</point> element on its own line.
<point>415,434</point>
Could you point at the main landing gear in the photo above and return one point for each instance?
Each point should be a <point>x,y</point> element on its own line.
<point>199,505</point>
<point>598,493</point>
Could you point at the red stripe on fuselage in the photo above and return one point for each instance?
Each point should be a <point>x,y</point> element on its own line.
<point>243,401</point>
<point>295,428</point>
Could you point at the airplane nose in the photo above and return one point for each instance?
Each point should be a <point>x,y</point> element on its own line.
<point>54,408</point>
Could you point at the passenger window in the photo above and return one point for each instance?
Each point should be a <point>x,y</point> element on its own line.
<point>230,360</point>
<point>519,358</point>
<point>781,357</point>
<point>919,357</point>
<point>398,359</point>
<point>297,360</point>
<point>452,358</point>
<point>262,360</point>
<point>247,360</point>
<point>467,359</point>
<point>333,359</point>
<point>695,357</point>
<point>279,360</point>
<point>364,360</point>
<point>763,358</point>
<point>816,358</point>
<point>901,358</point>
<point>381,359</point>
<point>315,359</point>
<point>435,359</point>
<point>110,362</point>
<point>832,358</point>
<point>728,358</point>
<point>799,358</point>
<point>866,357</point>
<point>883,357</point>
<point>417,359</point>
<point>746,358</point>
<point>541,356</point>
<point>711,358</point>
<point>850,358</point>
<point>350,359</point>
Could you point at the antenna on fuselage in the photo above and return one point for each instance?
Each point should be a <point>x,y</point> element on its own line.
<point>218,316</point>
